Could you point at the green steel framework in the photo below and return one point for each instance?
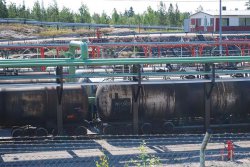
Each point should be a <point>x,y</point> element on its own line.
<point>83,59</point>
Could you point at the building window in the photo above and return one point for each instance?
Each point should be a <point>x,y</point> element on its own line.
<point>198,22</point>
<point>244,21</point>
<point>247,21</point>
<point>192,21</point>
<point>225,21</point>
<point>205,21</point>
<point>211,21</point>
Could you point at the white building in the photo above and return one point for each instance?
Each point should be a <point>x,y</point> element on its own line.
<point>208,21</point>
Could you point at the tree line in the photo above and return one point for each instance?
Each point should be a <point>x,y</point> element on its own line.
<point>170,16</point>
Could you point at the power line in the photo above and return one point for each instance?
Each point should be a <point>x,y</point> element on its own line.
<point>179,0</point>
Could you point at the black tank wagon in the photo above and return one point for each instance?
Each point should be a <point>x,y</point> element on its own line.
<point>37,107</point>
<point>173,107</point>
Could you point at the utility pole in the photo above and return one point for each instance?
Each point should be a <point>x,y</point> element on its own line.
<point>220,31</point>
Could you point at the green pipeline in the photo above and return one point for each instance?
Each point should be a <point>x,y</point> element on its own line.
<point>119,61</point>
<point>84,61</point>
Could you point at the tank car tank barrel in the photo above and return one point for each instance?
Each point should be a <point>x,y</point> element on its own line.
<point>177,106</point>
<point>38,106</point>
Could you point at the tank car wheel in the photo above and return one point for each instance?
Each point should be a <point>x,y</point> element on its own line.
<point>168,127</point>
<point>108,130</point>
<point>17,132</point>
<point>14,128</point>
<point>146,128</point>
<point>54,132</point>
<point>41,132</point>
<point>29,131</point>
<point>81,131</point>
<point>128,129</point>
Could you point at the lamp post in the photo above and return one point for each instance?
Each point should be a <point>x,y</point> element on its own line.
<point>220,31</point>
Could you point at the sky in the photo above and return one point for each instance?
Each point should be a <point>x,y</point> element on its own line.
<point>139,6</point>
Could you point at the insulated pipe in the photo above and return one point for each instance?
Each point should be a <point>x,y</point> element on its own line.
<point>83,47</point>
<point>203,147</point>
<point>119,61</point>
<point>131,44</point>
<point>84,54</point>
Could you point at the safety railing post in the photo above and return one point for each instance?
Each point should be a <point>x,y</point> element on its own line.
<point>203,147</point>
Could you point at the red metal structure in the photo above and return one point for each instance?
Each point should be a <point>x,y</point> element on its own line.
<point>195,48</point>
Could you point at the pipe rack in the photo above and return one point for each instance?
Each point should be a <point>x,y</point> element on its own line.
<point>83,60</point>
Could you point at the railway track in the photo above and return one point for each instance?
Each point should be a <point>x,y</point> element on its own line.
<point>172,150</point>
